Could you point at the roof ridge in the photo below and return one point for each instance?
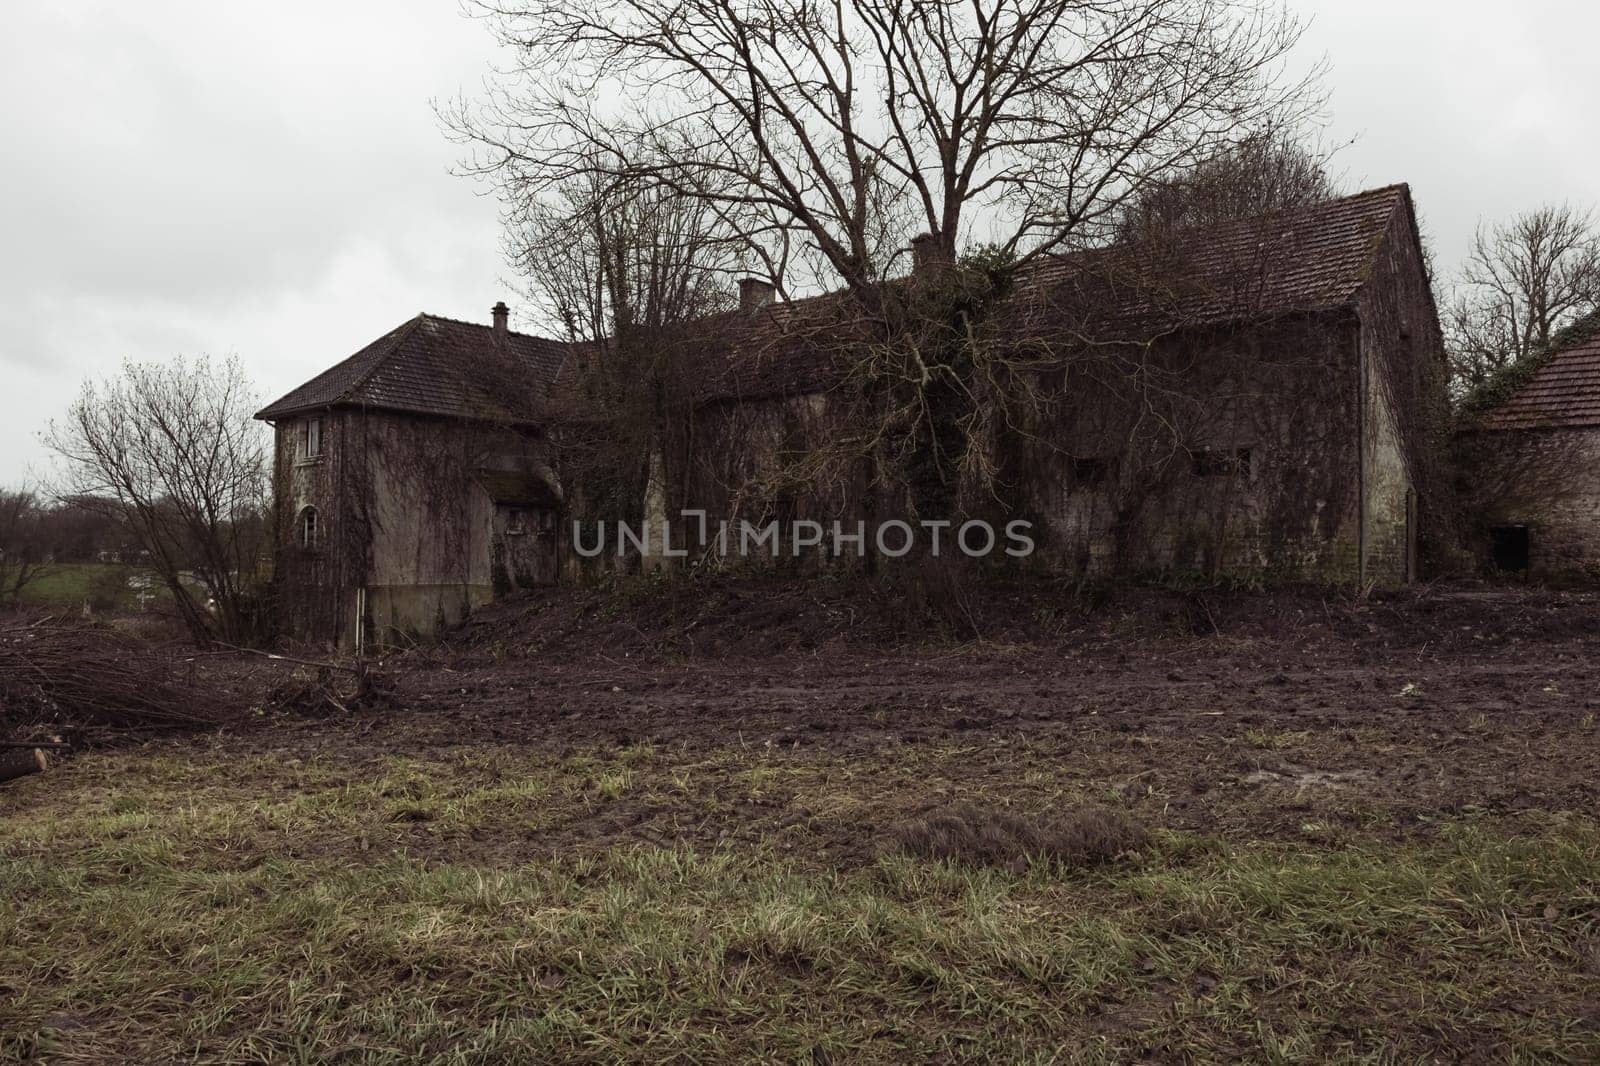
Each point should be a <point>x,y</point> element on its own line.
<point>393,337</point>
<point>485,325</point>
<point>1328,253</point>
<point>1381,235</point>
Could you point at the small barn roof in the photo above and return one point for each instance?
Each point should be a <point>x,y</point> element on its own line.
<point>1563,393</point>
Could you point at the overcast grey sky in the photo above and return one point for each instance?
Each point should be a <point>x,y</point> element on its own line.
<point>214,176</point>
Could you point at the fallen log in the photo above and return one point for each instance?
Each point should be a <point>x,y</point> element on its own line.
<point>15,764</point>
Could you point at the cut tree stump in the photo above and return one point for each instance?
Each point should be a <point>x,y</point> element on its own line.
<point>22,763</point>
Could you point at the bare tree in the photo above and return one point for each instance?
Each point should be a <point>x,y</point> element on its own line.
<point>22,548</point>
<point>823,136</point>
<point>1523,281</point>
<point>621,269</point>
<point>171,452</point>
<point>607,261</point>
<point>1021,123</point>
<point>1271,171</point>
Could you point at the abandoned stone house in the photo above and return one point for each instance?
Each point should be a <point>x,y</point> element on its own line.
<point>1533,467</point>
<point>395,505</point>
<point>1263,406</point>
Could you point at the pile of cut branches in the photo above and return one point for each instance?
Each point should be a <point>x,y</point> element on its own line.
<point>335,689</point>
<point>67,677</point>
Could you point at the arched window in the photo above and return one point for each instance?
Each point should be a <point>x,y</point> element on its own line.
<point>308,527</point>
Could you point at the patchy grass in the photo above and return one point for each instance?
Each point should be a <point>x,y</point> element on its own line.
<point>104,585</point>
<point>200,904</point>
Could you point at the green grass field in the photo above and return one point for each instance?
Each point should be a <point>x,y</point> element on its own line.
<point>215,905</point>
<point>70,585</point>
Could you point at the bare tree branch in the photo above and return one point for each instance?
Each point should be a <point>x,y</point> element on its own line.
<point>171,451</point>
<point>1524,280</point>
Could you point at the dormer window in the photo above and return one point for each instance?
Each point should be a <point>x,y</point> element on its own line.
<point>311,440</point>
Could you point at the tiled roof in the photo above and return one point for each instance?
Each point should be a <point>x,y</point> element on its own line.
<point>422,367</point>
<point>1562,393</point>
<point>1312,258</point>
<point>778,350</point>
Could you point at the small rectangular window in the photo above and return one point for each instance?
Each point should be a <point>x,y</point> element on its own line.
<point>1090,470</point>
<point>1222,462</point>
<point>311,438</point>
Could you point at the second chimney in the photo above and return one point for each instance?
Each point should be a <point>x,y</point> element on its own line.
<point>502,315</point>
<point>755,293</point>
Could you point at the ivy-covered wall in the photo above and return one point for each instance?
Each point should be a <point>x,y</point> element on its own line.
<point>406,524</point>
<point>1410,507</point>
<point>1230,451</point>
<point>1547,480</point>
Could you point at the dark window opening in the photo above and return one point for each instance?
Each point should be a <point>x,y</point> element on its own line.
<point>517,522</point>
<point>1088,471</point>
<point>1222,462</point>
<point>1509,547</point>
<point>308,528</point>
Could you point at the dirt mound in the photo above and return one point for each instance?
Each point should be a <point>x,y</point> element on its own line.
<point>728,617</point>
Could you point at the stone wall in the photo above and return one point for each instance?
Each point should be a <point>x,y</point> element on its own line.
<point>1243,458</point>
<point>1242,462</point>
<point>311,582</point>
<point>430,522</point>
<point>1545,479</point>
<point>404,525</point>
<point>1403,407</point>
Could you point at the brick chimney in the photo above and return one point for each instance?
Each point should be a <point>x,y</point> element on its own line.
<point>502,315</point>
<point>926,254</point>
<point>755,293</point>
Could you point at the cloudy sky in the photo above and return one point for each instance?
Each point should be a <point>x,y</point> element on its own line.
<point>269,179</point>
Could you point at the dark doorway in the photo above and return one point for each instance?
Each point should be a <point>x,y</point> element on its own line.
<point>524,547</point>
<point>1509,547</point>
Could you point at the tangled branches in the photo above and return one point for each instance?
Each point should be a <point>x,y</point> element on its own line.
<point>67,676</point>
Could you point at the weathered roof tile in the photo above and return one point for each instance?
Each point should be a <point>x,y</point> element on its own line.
<point>1563,393</point>
<point>423,366</point>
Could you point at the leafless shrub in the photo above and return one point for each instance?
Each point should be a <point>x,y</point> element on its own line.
<point>170,452</point>
<point>977,836</point>
<point>333,691</point>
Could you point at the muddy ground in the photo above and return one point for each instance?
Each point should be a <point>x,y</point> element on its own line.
<point>652,823</point>
<point>1287,716</point>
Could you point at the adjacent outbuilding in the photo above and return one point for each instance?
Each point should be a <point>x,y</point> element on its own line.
<point>1531,466</point>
